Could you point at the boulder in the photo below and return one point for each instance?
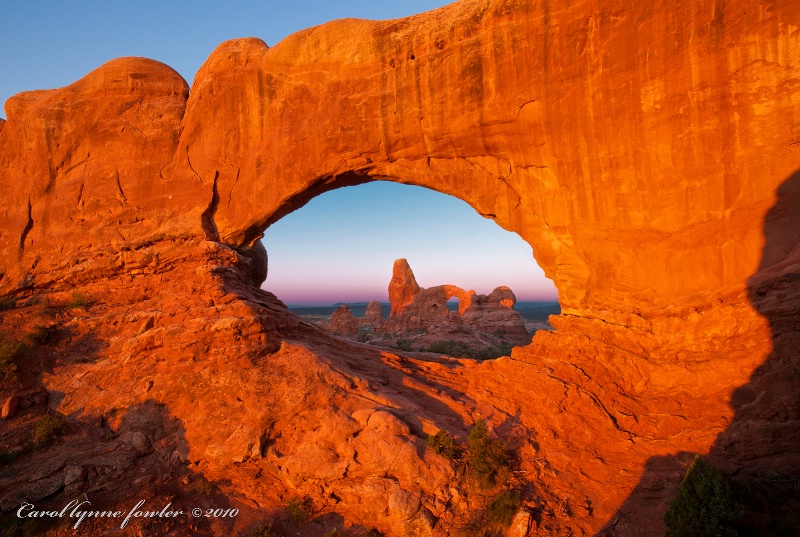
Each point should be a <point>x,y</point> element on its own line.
<point>9,409</point>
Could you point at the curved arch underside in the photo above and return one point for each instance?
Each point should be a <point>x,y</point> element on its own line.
<point>640,150</point>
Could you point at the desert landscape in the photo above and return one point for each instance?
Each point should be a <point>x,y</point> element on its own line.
<point>649,154</point>
<point>444,319</point>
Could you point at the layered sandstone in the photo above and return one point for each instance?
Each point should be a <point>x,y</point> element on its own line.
<point>647,152</point>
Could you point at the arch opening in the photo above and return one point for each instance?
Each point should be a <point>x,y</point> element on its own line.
<point>480,291</point>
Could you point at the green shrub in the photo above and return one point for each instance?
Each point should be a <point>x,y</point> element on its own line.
<point>299,510</point>
<point>39,335</point>
<point>771,502</point>
<point>504,507</point>
<point>451,348</point>
<point>12,526</point>
<point>79,300</point>
<point>7,303</point>
<point>7,457</point>
<point>403,345</point>
<point>264,530</point>
<point>703,506</point>
<point>489,460</point>
<point>442,347</point>
<point>48,429</point>
<point>11,351</point>
<point>203,486</point>
<point>443,443</point>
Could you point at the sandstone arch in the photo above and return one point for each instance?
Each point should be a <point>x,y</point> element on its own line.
<point>638,149</point>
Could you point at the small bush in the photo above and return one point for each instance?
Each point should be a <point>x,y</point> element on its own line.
<point>79,300</point>
<point>203,486</point>
<point>10,353</point>
<point>771,502</point>
<point>7,457</point>
<point>299,510</point>
<point>452,348</point>
<point>403,345</point>
<point>39,335</point>
<point>442,347</point>
<point>504,507</point>
<point>372,532</point>
<point>703,506</point>
<point>7,303</point>
<point>489,460</point>
<point>442,443</point>
<point>48,429</point>
<point>264,530</point>
<point>12,526</point>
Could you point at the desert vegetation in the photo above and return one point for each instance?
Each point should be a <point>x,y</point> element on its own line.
<point>49,428</point>
<point>489,458</point>
<point>711,503</point>
<point>442,443</point>
<point>11,351</point>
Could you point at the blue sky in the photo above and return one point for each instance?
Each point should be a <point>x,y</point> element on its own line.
<point>339,247</point>
<point>353,235</point>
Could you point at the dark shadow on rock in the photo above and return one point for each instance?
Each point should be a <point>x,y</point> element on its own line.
<point>112,456</point>
<point>762,442</point>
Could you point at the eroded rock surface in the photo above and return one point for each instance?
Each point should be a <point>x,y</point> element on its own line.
<point>648,152</point>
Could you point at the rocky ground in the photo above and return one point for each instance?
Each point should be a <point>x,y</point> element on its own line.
<point>457,343</point>
<point>302,435</point>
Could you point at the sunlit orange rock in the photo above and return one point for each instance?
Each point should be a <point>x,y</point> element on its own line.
<point>648,152</point>
<point>427,308</point>
<point>403,287</point>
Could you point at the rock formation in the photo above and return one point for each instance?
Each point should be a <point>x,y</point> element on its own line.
<point>403,287</point>
<point>427,308</point>
<point>373,316</point>
<point>343,321</point>
<point>648,152</point>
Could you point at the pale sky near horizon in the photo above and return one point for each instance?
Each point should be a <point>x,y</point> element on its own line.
<point>341,246</point>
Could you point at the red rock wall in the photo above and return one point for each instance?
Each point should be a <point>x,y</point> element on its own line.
<point>636,149</point>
